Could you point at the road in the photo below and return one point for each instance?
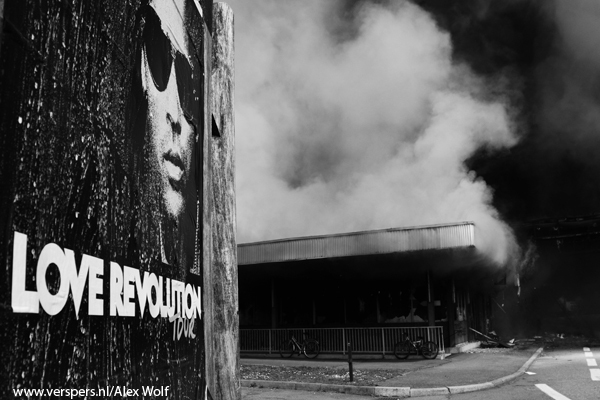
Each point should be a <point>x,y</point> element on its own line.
<point>559,374</point>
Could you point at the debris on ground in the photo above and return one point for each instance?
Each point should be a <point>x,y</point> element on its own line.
<point>548,340</point>
<point>492,340</point>
<point>553,340</point>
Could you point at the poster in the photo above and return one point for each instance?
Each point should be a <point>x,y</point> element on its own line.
<point>102,110</point>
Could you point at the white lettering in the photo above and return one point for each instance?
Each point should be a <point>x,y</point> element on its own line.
<point>153,305</point>
<point>177,288</point>
<point>77,280</point>
<point>159,295</point>
<point>22,300</point>
<point>189,300</point>
<point>199,303</point>
<point>116,289</point>
<point>96,271</point>
<point>52,303</point>
<point>173,299</point>
<point>183,326</point>
<point>167,308</point>
<point>180,326</point>
<point>142,291</point>
<point>191,329</point>
<point>129,290</point>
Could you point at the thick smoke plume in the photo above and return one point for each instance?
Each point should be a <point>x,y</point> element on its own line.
<point>569,105</point>
<point>360,123</point>
<point>553,171</point>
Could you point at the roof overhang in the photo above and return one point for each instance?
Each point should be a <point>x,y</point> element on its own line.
<point>376,242</point>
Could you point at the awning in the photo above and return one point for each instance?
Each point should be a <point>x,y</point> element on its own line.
<point>384,241</point>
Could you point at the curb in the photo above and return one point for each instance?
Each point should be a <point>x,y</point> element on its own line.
<point>383,391</point>
<point>379,391</point>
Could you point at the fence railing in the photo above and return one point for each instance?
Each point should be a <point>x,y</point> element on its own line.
<point>334,340</point>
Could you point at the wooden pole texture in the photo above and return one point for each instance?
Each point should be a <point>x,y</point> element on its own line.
<point>226,356</point>
<point>207,209</point>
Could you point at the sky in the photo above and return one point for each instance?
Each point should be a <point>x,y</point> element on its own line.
<point>360,115</point>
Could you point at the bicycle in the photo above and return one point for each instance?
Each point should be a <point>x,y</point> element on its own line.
<point>404,348</point>
<point>308,347</point>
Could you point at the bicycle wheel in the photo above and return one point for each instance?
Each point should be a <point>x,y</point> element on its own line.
<point>401,350</point>
<point>311,348</point>
<point>287,348</point>
<point>429,350</point>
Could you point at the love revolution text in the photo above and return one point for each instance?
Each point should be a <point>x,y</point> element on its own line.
<point>166,297</point>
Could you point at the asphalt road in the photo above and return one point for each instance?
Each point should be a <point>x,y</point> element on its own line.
<point>559,374</point>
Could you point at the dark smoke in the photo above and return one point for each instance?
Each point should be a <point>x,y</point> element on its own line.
<point>552,171</point>
<point>546,186</point>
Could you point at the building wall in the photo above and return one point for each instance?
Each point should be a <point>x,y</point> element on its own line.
<point>307,300</point>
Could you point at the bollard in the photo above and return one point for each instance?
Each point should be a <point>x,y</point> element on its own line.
<point>350,362</point>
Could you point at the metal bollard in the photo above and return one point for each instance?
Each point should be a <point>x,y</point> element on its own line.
<point>350,362</point>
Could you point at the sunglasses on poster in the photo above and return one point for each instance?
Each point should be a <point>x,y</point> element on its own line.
<point>161,56</point>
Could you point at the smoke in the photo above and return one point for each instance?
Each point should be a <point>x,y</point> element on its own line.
<point>361,122</point>
<point>569,82</point>
<point>552,172</point>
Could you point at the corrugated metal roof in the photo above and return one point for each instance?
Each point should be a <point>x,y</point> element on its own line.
<point>359,243</point>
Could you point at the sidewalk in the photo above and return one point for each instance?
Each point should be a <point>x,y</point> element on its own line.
<point>458,373</point>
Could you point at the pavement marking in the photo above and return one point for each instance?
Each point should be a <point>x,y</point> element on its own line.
<point>591,362</point>
<point>551,392</point>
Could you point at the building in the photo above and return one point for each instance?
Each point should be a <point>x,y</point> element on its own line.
<point>560,280</point>
<point>400,277</point>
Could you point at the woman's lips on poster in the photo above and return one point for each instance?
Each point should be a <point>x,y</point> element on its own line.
<point>174,167</point>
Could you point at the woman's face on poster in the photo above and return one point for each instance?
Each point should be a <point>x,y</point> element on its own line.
<point>171,133</point>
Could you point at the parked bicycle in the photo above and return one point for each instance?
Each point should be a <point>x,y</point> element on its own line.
<point>309,347</point>
<point>404,348</point>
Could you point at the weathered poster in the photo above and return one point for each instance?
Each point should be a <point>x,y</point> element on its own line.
<point>102,117</point>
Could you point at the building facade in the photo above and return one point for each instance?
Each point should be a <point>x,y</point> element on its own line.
<point>401,277</point>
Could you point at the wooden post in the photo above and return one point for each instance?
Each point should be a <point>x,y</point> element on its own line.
<point>205,207</point>
<point>225,357</point>
<point>350,369</point>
